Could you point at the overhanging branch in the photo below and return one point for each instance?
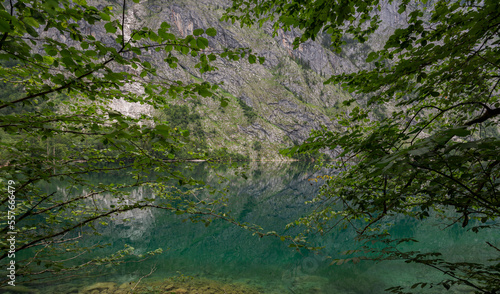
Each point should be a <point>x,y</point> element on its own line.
<point>490,113</point>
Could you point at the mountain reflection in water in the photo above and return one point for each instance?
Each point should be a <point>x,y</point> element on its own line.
<point>270,195</point>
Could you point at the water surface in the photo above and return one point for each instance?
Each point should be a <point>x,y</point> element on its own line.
<point>270,195</point>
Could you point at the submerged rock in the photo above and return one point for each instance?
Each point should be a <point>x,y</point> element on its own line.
<point>194,286</point>
<point>101,288</point>
<point>125,286</point>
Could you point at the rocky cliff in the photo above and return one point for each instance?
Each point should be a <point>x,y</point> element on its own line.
<point>285,96</point>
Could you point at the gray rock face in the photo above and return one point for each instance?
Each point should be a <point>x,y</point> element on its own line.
<point>288,107</point>
<point>286,92</point>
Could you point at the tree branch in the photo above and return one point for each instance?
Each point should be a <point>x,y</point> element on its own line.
<point>450,108</point>
<point>123,23</point>
<point>153,269</point>
<point>5,35</point>
<point>67,85</point>
<point>490,113</point>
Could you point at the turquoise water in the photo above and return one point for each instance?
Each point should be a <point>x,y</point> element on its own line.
<point>270,195</point>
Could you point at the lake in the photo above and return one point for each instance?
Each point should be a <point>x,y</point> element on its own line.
<point>224,258</point>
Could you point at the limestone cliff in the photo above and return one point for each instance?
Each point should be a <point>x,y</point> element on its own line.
<point>286,93</point>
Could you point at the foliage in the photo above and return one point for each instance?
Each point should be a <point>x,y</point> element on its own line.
<point>182,117</point>
<point>313,155</point>
<point>57,124</point>
<point>439,150</point>
<point>223,154</point>
<point>257,146</point>
<point>248,111</point>
<point>195,146</point>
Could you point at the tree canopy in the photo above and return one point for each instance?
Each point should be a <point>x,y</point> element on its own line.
<point>57,125</point>
<point>438,150</point>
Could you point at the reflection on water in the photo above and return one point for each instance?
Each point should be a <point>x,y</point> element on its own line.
<point>223,255</point>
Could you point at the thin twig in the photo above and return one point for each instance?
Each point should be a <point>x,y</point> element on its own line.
<point>492,246</point>
<point>153,269</point>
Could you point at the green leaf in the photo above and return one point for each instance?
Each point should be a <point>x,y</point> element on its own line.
<point>31,21</point>
<point>50,50</point>
<point>202,43</point>
<point>166,36</point>
<point>460,132</point>
<point>252,59</point>
<point>372,56</point>
<point>184,50</point>
<point>114,114</point>
<point>4,26</point>
<point>204,92</point>
<point>164,25</point>
<point>110,28</point>
<point>104,16</point>
<point>419,152</point>
<point>211,32</point>
<point>90,53</point>
<point>198,32</point>
<point>289,20</point>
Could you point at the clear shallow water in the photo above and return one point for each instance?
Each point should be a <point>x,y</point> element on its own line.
<point>272,196</point>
